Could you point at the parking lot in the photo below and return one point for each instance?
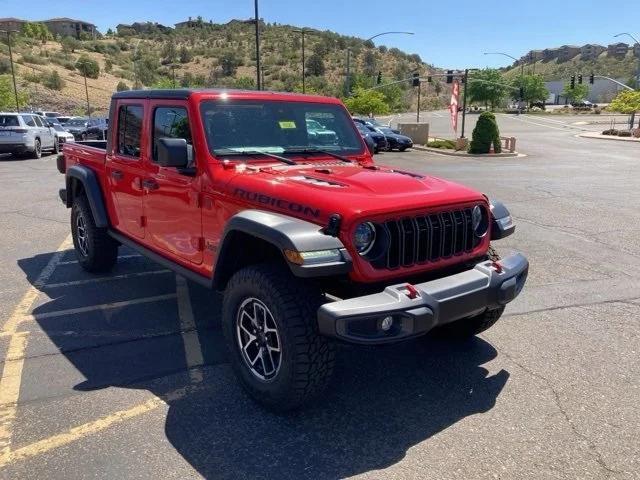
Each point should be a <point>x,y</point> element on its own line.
<point>125,375</point>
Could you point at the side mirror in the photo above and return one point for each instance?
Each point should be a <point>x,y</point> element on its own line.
<point>173,152</point>
<point>371,146</point>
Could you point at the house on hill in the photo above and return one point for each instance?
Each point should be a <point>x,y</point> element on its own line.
<point>11,24</point>
<point>591,52</point>
<point>567,52</point>
<point>617,49</point>
<point>68,27</point>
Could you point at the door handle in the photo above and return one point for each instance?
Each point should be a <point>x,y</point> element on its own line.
<point>117,175</point>
<point>149,184</point>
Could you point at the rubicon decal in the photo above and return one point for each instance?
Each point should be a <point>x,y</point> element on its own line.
<point>276,202</point>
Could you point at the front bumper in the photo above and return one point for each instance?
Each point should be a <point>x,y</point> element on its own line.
<point>485,287</point>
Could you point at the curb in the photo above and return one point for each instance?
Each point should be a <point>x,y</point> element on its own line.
<point>465,154</point>
<point>599,136</point>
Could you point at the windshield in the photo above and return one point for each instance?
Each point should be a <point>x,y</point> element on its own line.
<point>57,127</point>
<point>276,127</point>
<point>76,122</point>
<point>386,130</point>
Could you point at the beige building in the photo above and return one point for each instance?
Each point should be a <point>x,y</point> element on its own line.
<point>567,52</point>
<point>11,24</point>
<point>590,51</point>
<point>617,49</point>
<point>68,27</point>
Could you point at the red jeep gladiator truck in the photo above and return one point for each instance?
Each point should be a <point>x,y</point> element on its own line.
<point>309,240</point>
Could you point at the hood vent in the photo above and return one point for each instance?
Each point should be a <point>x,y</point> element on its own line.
<point>316,181</point>
<point>408,174</point>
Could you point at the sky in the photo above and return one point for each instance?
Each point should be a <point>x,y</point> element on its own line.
<point>446,34</point>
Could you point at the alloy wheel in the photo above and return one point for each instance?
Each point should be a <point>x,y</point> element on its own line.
<point>81,236</point>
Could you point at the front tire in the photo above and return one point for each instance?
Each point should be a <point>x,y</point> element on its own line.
<point>37,149</point>
<point>95,249</point>
<point>269,325</point>
<point>56,145</point>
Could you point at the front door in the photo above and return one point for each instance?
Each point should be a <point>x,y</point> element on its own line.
<point>126,168</point>
<point>171,196</point>
<point>47,138</point>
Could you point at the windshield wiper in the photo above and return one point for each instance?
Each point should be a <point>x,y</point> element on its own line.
<point>253,153</point>
<point>317,150</point>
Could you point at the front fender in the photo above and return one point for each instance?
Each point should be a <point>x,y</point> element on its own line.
<point>284,233</point>
<point>87,178</point>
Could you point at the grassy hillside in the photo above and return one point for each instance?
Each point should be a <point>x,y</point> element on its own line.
<point>614,67</point>
<point>209,55</point>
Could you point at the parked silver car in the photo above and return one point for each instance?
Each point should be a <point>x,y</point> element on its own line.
<point>26,133</point>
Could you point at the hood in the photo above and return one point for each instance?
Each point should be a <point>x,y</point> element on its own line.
<point>316,191</point>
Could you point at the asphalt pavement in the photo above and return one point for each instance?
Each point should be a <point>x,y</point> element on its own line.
<point>125,375</point>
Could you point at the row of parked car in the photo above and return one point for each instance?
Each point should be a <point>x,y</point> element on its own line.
<point>381,136</point>
<point>30,134</point>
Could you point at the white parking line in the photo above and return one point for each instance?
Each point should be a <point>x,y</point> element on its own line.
<point>104,306</point>
<point>105,279</point>
<point>190,338</point>
<point>121,257</point>
<point>11,377</point>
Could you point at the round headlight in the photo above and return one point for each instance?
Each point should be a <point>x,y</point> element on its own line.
<point>479,221</point>
<point>364,237</point>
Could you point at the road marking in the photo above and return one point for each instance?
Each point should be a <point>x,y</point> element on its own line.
<point>93,308</point>
<point>190,338</point>
<point>81,431</point>
<point>12,372</point>
<point>105,279</point>
<point>121,257</point>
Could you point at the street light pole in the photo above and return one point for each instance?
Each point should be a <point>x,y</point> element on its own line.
<point>257,22</point>
<point>521,74</point>
<point>347,86</point>
<point>302,31</point>
<point>13,73</point>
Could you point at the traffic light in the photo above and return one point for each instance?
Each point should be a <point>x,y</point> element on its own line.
<point>591,78</point>
<point>416,80</point>
<point>573,81</point>
<point>449,76</point>
<point>580,79</point>
<point>379,78</point>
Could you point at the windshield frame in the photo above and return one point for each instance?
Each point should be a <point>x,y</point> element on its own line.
<point>280,150</point>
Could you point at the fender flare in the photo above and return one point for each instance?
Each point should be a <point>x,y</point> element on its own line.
<point>501,221</point>
<point>91,186</point>
<point>284,233</point>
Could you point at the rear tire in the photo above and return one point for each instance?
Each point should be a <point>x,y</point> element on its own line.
<point>37,149</point>
<point>270,329</point>
<point>95,249</point>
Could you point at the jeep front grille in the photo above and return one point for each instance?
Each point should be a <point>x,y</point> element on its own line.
<point>426,238</point>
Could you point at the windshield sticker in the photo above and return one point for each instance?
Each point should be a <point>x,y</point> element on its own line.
<point>287,124</point>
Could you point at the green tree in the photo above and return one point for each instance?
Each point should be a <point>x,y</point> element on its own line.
<point>229,63</point>
<point>576,94</point>
<point>485,134</point>
<point>87,66</point>
<point>53,80</point>
<point>534,89</point>
<point>121,87</point>
<point>488,87</point>
<point>315,65</point>
<point>626,102</point>
<point>366,102</point>
<point>146,68</point>
<point>7,95</point>
<point>69,44</point>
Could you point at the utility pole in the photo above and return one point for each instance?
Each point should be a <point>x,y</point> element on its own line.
<point>347,82</point>
<point>464,100</point>
<point>83,65</point>
<point>418,112</point>
<point>257,22</point>
<point>302,31</point>
<point>13,73</point>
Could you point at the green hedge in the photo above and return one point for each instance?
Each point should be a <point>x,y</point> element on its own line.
<point>485,134</point>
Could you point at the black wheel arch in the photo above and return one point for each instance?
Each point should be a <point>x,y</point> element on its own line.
<point>255,236</point>
<point>79,180</point>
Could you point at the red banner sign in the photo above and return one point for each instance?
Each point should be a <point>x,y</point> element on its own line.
<point>455,96</point>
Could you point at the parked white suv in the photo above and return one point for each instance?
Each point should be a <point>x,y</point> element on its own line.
<point>26,133</point>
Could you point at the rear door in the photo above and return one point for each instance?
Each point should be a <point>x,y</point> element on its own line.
<point>171,200</point>
<point>125,167</point>
<point>47,136</point>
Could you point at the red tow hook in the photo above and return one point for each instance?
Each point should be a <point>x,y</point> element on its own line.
<point>412,292</point>
<point>497,266</point>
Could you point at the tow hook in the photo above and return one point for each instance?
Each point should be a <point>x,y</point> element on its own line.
<point>411,292</point>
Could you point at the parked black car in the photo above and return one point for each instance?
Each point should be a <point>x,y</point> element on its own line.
<point>395,140</point>
<point>378,138</point>
<point>87,128</point>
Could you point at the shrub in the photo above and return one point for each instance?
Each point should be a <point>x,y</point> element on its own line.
<point>88,67</point>
<point>5,66</point>
<point>624,133</point>
<point>34,59</point>
<point>122,86</point>
<point>449,144</point>
<point>611,131</point>
<point>32,77</point>
<point>53,80</point>
<point>485,134</point>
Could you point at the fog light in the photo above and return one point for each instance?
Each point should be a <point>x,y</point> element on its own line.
<point>386,324</point>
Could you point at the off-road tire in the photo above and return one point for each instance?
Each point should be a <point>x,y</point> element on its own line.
<point>307,359</point>
<point>98,252</point>
<point>470,326</point>
<point>37,149</point>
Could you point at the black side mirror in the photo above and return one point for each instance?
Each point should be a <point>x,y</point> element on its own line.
<point>173,152</point>
<point>371,145</point>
